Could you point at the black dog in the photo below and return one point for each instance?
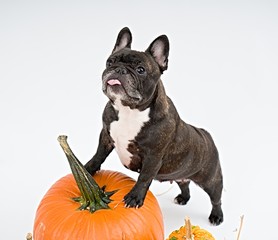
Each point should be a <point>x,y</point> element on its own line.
<point>143,125</point>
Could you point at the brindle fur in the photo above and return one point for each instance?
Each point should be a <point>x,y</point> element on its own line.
<point>166,148</point>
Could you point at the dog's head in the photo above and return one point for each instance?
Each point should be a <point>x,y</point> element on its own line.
<point>132,76</point>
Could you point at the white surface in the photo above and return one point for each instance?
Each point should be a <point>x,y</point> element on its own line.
<point>222,76</point>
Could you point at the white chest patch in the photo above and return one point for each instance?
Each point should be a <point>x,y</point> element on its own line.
<point>126,129</point>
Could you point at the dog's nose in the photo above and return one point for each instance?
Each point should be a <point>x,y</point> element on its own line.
<point>121,70</point>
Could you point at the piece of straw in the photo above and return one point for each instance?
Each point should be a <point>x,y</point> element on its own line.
<point>240,227</point>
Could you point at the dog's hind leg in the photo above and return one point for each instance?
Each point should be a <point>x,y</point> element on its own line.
<point>215,191</point>
<point>184,196</point>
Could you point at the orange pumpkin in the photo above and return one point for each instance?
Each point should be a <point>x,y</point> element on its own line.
<point>75,207</point>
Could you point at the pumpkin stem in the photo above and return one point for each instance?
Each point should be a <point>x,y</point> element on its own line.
<point>92,196</point>
<point>188,228</point>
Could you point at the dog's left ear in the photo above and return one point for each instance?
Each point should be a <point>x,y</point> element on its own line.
<point>159,49</point>
<point>124,40</point>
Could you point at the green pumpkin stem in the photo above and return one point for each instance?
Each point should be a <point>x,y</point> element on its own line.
<point>92,196</point>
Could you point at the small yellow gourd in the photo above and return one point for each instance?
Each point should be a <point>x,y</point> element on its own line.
<point>189,232</point>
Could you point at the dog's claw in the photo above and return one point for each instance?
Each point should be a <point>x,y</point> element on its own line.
<point>215,220</point>
<point>133,201</point>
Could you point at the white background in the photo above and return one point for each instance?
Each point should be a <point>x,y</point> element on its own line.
<point>222,76</point>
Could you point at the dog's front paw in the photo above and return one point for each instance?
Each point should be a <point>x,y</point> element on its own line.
<point>134,199</point>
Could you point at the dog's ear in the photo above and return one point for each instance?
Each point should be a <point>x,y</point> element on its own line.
<point>159,49</point>
<point>124,40</point>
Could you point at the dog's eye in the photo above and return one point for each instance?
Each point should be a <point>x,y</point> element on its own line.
<point>140,70</point>
<point>109,63</point>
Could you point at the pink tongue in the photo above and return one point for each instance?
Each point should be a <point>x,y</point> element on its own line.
<point>114,82</point>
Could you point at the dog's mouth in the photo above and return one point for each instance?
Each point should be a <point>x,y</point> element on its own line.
<point>115,86</point>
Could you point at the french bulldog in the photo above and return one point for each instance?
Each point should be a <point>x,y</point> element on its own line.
<point>141,122</point>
